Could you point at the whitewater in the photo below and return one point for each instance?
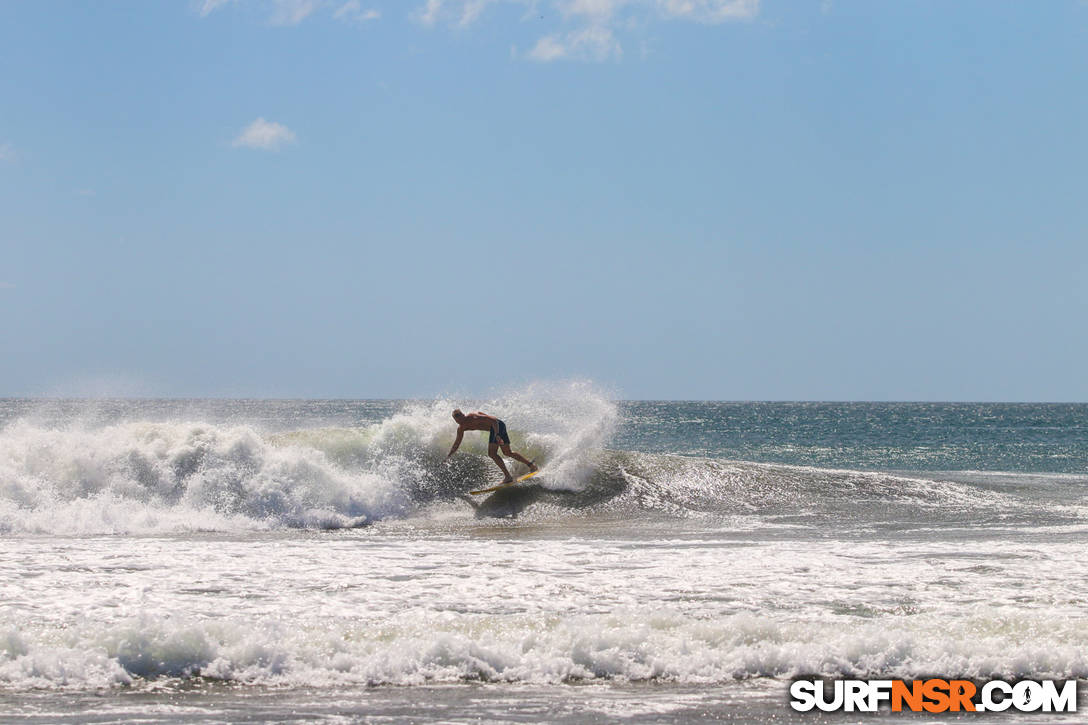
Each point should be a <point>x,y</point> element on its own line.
<point>227,560</point>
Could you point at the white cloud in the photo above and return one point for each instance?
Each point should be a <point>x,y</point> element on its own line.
<point>206,7</point>
<point>597,10</point>
<point>592,43</point>
<point>581,29</point>
<point>548,48</point>
<point>264,135</point>
<point>292,12</point>
<point>464,12</point>
<point>7,152</point>
<point>591,26</point>
<point>709,11</point>
<point>428,14</point>
<point>284,12</point>
<point>472,10</point>
<point>352,11</point>
<point>459,12</point>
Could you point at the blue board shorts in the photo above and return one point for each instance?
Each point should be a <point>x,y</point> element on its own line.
<point>504,437</point>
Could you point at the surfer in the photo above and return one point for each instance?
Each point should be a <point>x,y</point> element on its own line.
<point>497,439</point>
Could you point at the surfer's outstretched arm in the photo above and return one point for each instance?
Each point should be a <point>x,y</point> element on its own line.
<point>456,442</point>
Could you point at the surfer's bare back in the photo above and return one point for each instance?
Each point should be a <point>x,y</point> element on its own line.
<point>497,439</point>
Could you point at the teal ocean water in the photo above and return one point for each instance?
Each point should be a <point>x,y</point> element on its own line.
<point>1019,437</point>
<point>231,560</point>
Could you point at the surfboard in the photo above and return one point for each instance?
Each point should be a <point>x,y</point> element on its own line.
<point>501,486</point>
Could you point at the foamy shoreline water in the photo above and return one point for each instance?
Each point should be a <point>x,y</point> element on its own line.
<point>352,608</point>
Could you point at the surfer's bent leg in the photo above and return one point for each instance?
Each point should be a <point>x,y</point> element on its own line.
<point>517,457</point>
<point>504,442</point>
<point>493,454</point>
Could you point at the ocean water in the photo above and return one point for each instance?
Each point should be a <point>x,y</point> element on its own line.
<point>234,560</point>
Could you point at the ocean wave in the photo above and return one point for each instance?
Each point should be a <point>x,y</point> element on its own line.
<point>628,646</point>
<point>148,476</point>
<point>155,476</point>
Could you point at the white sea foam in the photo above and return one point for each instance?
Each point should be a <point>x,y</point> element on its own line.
<point>142,476</point>
<point>627,645</point>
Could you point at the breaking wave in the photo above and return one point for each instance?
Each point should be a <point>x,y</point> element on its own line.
<point>156,476</point>
<point>147,476</point>
<point>621,646</point>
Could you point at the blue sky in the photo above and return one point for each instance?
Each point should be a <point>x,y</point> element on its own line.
<point>673,198</point>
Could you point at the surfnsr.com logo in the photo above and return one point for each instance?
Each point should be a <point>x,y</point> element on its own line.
<point>934,695</point>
